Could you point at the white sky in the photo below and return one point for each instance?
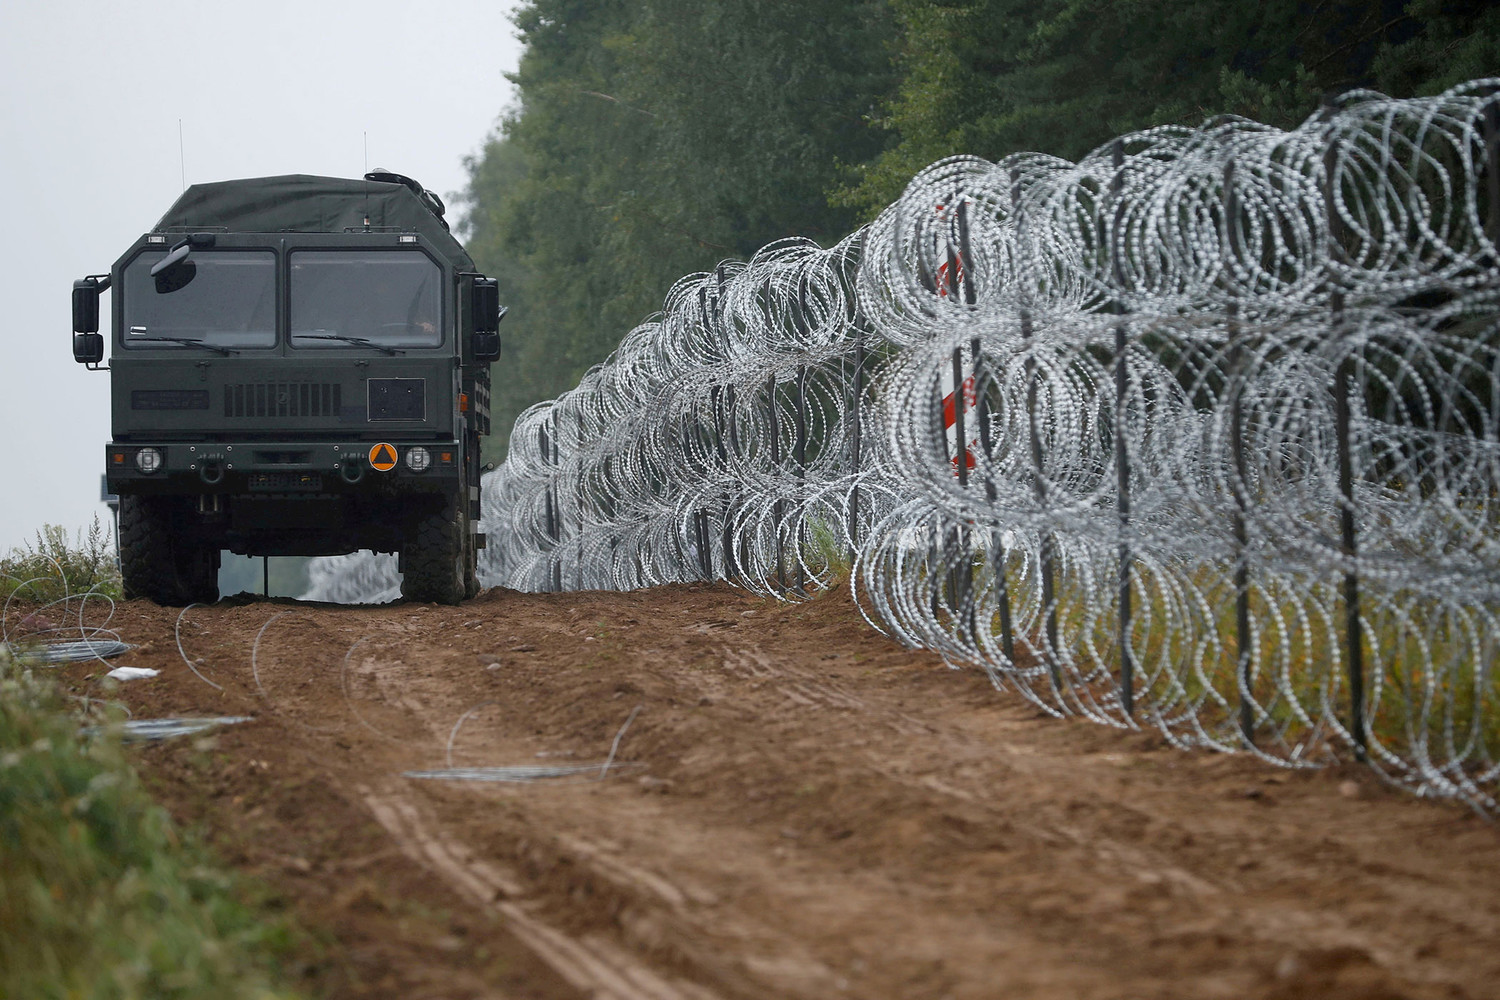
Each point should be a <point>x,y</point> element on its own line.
<point>90,98</point>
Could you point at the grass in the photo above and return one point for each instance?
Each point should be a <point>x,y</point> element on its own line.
<point>53,567</point>
<point>101,896</point>
<point>827,557</point>
<point>1428,661</point>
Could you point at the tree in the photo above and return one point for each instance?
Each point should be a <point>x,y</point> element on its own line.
<point>652,140</point>
<point>992,77</point>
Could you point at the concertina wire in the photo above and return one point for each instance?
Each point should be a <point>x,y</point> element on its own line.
<point>1198,433</point>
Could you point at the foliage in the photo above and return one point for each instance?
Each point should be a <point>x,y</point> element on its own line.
<point>1455,42</point>
<point>53,567</point>
<point>654,139</point>
<point>828,555</point>
<point>993,77</point>
<point>100,896</point>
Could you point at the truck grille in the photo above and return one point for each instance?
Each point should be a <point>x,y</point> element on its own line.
<point>283,399</point>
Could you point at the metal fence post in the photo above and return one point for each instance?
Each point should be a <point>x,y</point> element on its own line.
<point>562,525</point>
<point>731,563</point>
<point>800,448</point>
<point>717,404</point>
<point>1122,446</point>
<point>958,575</point>
<point>548,449</point>
<point>724,429</point>
<point>800,456</point>
<point>958,548</point>
<point>1244,649</point>
<point>997,554</point>
<point>1343,375</point>
<point>855,430</point>
<point>1049,595</point>
<point>705,553</point>
<point>695,453</point>
<point>704,516</point>
<point>778,509</point>
<point>961,576</point>
<point>1490,125</point>
<point>935,554</point>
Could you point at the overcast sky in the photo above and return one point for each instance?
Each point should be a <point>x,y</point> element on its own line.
<point>91,94</point>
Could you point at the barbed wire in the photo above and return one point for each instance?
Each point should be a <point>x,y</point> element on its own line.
<point>715,442</point>
<point>1241,402</point>
<point>1200,433</point>
<point>76,635</point>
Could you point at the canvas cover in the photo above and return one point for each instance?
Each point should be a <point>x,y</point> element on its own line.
<point>302,203</point>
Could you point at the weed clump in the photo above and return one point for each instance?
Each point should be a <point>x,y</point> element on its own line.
<point>54,567</point>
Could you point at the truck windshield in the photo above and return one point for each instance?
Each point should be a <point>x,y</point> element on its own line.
<point>365,298</point>
<point>230,303</point>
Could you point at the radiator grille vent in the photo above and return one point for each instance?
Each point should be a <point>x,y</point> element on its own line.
<point>283,399</point>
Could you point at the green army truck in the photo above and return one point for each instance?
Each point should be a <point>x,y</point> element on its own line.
<point>299,366</point>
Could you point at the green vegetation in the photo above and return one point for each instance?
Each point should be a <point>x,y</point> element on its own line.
<point>654,138</point>
<point>1426,663</point>
<point>52,567</point>
<point>100,896</point>
<point>827,556</point>
<point>993,77</point>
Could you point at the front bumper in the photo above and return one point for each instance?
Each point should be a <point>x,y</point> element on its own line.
<point>283,467</point>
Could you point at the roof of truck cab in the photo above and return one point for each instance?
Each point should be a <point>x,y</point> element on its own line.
<point>303,203</point>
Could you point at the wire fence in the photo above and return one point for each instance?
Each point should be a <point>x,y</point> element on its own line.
<point>1198,433</point>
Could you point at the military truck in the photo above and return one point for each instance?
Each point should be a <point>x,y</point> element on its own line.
<point>298,366</point>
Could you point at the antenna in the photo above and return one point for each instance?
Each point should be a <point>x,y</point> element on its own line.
<point>367,179</point>
<point>181,155</point>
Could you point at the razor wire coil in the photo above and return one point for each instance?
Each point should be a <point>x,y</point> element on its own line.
<point>1201,432</point>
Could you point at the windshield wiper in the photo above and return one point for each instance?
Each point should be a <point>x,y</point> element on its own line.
<point>190,341</point>
<point>357,341</point>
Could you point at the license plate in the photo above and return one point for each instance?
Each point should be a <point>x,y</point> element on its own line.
<point>285,482</point>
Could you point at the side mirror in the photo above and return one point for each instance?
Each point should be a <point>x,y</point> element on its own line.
<point>487,347</point>
<point>86,304</point>
<point>485,305</point>
<point>88,348</point>
<point>486,313</point>
<point>174,270</point>
<point>88,344</point>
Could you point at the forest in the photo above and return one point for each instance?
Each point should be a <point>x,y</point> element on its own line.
<point>653,138</point>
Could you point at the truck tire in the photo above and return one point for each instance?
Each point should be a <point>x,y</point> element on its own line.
<point>433,558</point>
<point>159,560</point>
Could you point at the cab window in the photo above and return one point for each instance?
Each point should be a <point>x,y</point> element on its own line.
<point>230,302</point>
<point>344,298</point>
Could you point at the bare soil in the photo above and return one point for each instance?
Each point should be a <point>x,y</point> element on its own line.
<point>800,808</point>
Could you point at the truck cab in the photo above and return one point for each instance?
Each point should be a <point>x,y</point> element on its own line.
<point>298,366</point>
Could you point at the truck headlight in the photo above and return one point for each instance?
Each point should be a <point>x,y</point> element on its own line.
<point>148,460</point>
<point>418,458</point>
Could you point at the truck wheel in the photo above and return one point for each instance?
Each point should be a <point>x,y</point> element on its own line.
<point>161,561</point>
<point>432,559</point>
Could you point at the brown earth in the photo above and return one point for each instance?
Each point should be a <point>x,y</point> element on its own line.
<point>800,808</point>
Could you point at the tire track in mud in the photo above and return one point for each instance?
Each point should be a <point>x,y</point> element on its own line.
<point>591,966</point>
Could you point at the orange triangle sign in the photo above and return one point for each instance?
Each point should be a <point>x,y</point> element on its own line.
<point>382,457</point>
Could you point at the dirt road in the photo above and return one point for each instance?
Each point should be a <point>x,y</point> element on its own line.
<point>800,808</point>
